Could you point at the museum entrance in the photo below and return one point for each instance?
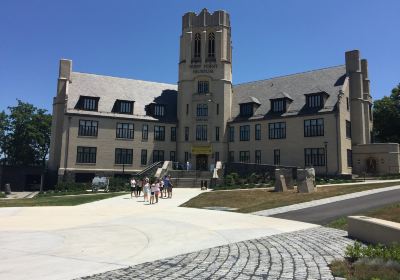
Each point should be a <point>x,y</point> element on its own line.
<point>202,162</point>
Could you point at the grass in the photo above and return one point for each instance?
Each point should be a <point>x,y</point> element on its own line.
<point>260,199</point>
<point>389,213</point>
<point>57,200</point>
<point>2,195</point>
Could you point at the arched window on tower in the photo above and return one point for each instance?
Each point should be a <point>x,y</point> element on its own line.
<point>197,46</point>
<point>211,45</point>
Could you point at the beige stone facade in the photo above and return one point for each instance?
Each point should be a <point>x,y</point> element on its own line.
<point>320,118</point>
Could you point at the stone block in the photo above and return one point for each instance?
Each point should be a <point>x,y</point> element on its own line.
<point>280,184</point>
<point>288,176</point>
<point>306,180</point>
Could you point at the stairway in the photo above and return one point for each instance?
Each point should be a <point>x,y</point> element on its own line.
<point>189,179</point>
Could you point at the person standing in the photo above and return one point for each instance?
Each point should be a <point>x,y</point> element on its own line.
<point>169,186</point>
<point>152,192</point>
<point>157,190</point>
<point>138,189</point>
<point>146,190</point>
<point>133,187</point>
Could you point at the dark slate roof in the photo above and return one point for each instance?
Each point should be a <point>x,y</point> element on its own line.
<point>329,80</point>
<point>250,99</point>
<point>109,89</point>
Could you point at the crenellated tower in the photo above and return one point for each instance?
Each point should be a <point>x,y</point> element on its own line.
<point>204,88</point>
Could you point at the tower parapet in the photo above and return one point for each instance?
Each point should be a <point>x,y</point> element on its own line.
<point>204,18</point>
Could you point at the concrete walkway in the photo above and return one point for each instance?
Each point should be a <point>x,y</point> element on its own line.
<point>68,242</point>
<point>323,201</point>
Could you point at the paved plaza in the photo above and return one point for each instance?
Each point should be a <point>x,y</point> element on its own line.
<point>303,254</point>
<point>76,241</point>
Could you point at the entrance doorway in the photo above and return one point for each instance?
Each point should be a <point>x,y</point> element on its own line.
<point>202,162</point>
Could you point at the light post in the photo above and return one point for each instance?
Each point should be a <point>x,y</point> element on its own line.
<point>326,158</point>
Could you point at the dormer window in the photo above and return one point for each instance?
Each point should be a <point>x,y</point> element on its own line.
<point>202,87</point>
<point>248,106</point>
<point>88,103</point>
<point>316,100</point>
<point>155,110</point>
<point>123,107</point>
<point>278,105</point>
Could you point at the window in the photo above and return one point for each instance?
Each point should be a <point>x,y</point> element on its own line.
<point>187,109</point>
<point>277,130</point>
<point>211,45</point>
<point>186,133</point>
<point>244,156</point>
<point>186,157</point>
<point>88,103</point>
<point>216,156</point>
<point>217,108</point>
<point>370,112</point>
<point>231,156</point>
<point>158,155</point>
<point>159,110</point>
<point>123,156</point>
<point>231,134</point>
<point>125,130</point>
<point>201,132</point>
<point>197,46</point>
<point>348,129</point>
<point>277,157</point>
<point>159,133</point>
<point>173,134</point>
<point>349,158</point>
<point>145,132</point>
<point>257,156</point>
<point>246,109</point>
<point>257,130</point>
<point>347,104</point>
<point>278,105</point>
<point>202,110</point>
<point>88,128</point>
<point>143,157</point>
<point>123,107</point>
<point>202,87</point>
<point>244,133</point>
<point>314,156</point>
<point>314,127</point>
<point>172,156</point>
<point>86,154</point>
<point>217,133</point>
<point>314,101</point>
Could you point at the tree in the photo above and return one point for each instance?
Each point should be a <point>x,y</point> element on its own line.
<point>387,117</point>
<point>28,135</point>
<point>4,127</point>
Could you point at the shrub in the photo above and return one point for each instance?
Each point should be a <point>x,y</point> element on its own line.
<point>2,195</point>
<point>235,177</point>
<point>72,187</point>
<point>253,178</point>
<point>118,184</point>
<point>357,251</point>
<point>229,181</point>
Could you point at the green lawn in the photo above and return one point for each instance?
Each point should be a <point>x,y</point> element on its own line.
<point>57,200</point>
<point>389,213</point>
<point>260,199</point>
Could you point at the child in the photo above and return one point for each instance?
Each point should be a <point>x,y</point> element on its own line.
<point>146,190</point>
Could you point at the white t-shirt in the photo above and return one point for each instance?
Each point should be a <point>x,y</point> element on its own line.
<point>147,187</point>
<point>133,182</point>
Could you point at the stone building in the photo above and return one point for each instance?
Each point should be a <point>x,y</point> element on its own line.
<point>322,118</point>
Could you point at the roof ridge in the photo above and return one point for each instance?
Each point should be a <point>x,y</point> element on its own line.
<point>288,75</point>
<point>122,78</point>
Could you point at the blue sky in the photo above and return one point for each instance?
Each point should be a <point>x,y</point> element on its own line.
<point>140,40</point>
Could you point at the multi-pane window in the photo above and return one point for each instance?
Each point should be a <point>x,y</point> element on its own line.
<point>86,154</point>
<point>216,156</point>
<point>246,109</point>
<point>123,107</point>
<point>370,112</point>
<point>197,45</point>
<point>186,133</point>
<point>216,133</point>
<point>314,127</point>
<point>277,157</point>
<point>159,133</point>
<point>217,108</point>
<point>231,133</point>
<point>89,103</point>
<point>231,156</point>
<point>159,110</point>
<point>257,156</point>
<point>314,101</point>
<point>244,133</point>
<point>143,157</point>
<point>314,156</point>
<point>349,158</point>
<point>244,156</point>
<point>211,45</point>
<point>202,110</point>
<point>173,134</point>
<point>347,104</point>
<point>257,131</point>
<point>123,156</point>
<point>201,132</point>
<point>125,130</point>
<point>172,156</point>
<point>145,132</point>
<point>277,130</point>
<point>348,129</point>
<point>186,157</point>
<point>203,87</point>
<point>88,128</point>
<point>187,109</point>
<point>278,105</point>
<point>158,155</point>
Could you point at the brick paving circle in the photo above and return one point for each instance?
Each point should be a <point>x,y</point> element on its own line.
<point>302,254</point>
